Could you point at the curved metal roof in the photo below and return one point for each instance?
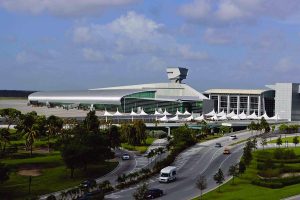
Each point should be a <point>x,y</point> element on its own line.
<point>112,96</point>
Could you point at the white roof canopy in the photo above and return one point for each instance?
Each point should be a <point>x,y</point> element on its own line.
<point>188,119</point>
<point>252,116</point>
<point>186,113</point>
<point>166,112</point>
<point>200,118</point>
<point>163,119</point>
<point>117,113</point>
<point>221,114</point>
<point>156,113</point>
<point>215,117</point>
<point>143,113</point>
<point>275,117</point>
<point>235,117</point>
<point>178,112</point>
<point>243,115</point>
<point>224,117</point>
<point>107,114</point>
<point>175,118</point>
<point>133,113</point>
<point>230,115</point>
<point>211,113</point>
<point>264,116</point>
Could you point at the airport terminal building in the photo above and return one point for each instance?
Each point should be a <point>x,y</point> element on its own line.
<point>171,96</point>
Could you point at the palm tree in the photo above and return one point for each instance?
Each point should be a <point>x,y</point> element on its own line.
<point>30,137</point>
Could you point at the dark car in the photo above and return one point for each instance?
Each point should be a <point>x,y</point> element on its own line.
<point>233,137</point>
<point>218,144</point>
<point>88,184</point>
<point>153,193</point>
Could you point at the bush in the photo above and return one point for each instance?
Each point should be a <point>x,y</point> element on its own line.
<point>269,173</point>
<point>268,184</point>
<point>285,154</point>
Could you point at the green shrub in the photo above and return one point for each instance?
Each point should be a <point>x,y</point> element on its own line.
<point>268,184</point>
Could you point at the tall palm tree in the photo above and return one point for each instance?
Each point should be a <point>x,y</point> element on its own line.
<point>30,137</point>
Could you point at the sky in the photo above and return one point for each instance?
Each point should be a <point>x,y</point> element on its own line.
<point>76,44</point>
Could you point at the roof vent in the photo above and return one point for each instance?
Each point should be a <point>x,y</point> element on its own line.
<point>177,74</point>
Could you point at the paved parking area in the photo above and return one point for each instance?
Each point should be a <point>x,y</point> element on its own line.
<point>21,105</point>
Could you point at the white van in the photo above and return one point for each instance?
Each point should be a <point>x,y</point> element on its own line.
<point>167,174</point>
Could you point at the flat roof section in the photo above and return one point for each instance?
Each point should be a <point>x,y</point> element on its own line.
<point>237,91</point>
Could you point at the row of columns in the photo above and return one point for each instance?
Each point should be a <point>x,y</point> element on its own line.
<point>238,104</point>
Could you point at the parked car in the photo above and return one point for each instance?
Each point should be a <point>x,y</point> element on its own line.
<point>218,144</point>
<point>90,183</point>
<point>153,193</point>
<point>226,151</point>
<point>233,137</point>
<point>125,156</point>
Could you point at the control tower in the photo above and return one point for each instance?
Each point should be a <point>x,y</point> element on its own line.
<point>177,74</point>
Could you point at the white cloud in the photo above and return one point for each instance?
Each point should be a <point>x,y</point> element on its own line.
<point>214,36</point>
<point>63,7</point>
<point>238,11</point>
<point>132,35</point>
<point>286,64</point>
<point>25,57</point>
<point>93,55</point>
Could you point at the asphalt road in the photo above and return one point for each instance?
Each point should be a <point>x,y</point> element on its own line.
<point>201,159</point>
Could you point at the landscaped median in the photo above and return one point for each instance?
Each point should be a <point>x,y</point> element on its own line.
<point>272,174</point>
<point>142,148</point>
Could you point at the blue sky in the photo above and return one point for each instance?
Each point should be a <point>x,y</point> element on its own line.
<point>64,44</point>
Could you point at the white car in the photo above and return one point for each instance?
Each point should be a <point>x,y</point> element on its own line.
<point>125,156</point>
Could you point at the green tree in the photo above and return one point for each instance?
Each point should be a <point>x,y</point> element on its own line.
<point>140,130</point>
<point>295,140</point>
<point>201,184</point>
<point>219,178</point>
<point>114,137</point>
<point>264,125</point>
<point>263,142</point>
<point>140,192</point>
<point>4,173</point>
<point>279,141</point>
<point>242,167</point>
<point>224,129</point>
<point>247,154</point>
<point>283,128</point>
<point>30,128</point>
<point>91,122</point>
<point>251,127</point>
<point>54,126</point>
<point>71,154</point>
<point>273,128</point>
<point>233,171</point>
<point>10,115</point>
<point>4,138</point>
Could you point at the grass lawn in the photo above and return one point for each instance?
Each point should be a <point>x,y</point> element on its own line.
<point>243,189</point>
<point>141,149</point>
<point>288,138</point>
<point>54,175</point>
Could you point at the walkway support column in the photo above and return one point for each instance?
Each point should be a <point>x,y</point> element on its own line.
<point>169,131</point>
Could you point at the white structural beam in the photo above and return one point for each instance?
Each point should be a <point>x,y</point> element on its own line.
<point>228,104</point>
<point>219,103</point>
<point>248,105</point>
<point>238,104</point>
